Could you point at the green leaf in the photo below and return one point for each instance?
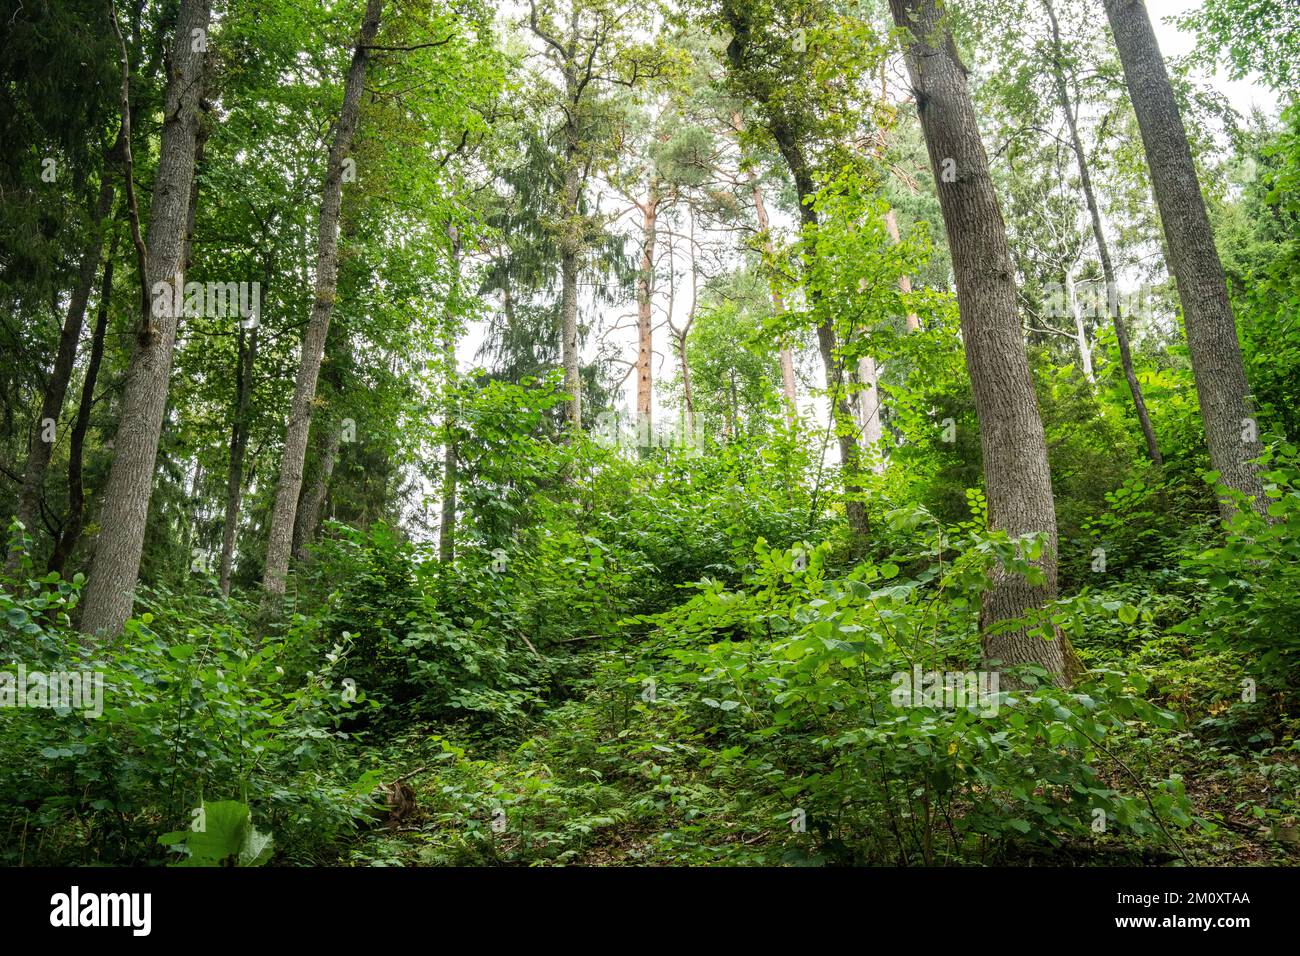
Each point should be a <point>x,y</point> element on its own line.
<point>227,838</point>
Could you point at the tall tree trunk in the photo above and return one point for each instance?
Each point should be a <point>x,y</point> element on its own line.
<point>450,463</point>
<point>1103,248</point>
<point>1221,387</point>
<point>570,249</point>
<point>239,427</point>
<point>307,518</point>
<point>280,538</point>
<point>644,315</point>
<point>788,144</point>
<point>869,410</point>
<point>116,566</point>
<point>855,510</point>
<point>75,521</point>
<point>904,281</point>
<point>1016,471</point>
<point>56,388</point>
<point>688,392</point>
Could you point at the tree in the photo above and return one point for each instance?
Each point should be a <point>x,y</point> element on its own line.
<point>1067,105</point>
<point>1231,432</point>
<point>74,522</point>
<point>108,596</point>
<point>589,46</point>
<point>1016,471</point>
<point>451,464</point>
<point>42,444</point>
<point>808,122</point>
<point>280,537</point>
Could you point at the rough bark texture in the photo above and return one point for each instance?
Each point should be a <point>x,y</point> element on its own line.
<point>1230,431</point>
<point>56,388</point>
<point>1018,480</point>
<point>312,502</point>
<point>111,587</point>
<point>72,526</point>
<point>280,538</point>
<point>238,450</point>
<point>1066,103</point>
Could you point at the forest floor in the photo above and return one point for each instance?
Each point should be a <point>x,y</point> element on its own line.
<point>438,825</point>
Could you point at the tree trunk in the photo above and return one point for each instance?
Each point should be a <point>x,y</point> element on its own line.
<point>56,388</point>
<point>1103,248</point>
<point>688,393</point>
<point>1016,471</point>
<point>869,408</point>
<point>238,449</point>
<point>644,318</point>
<point>307,518</point>
<point>855,510</point>
<point>72,526</point>
<point>450,463</point>
<point>570,248</point>
<point>904,281</point>
<point>1230,428</point>
<point>280,539</point>
<point>110,590</point>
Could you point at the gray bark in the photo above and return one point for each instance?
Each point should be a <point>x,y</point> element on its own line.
<point>1221,387</point>
<point>312,502</point>
<point>280,538</point>
<point>1016,472</point>
<point>111,587</point>
<point>869,410</point>
<point>570,249</point>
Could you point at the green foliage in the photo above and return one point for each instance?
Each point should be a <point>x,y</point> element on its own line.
<point>192,708</point>
<point>222,835</point>
<point>1250,580</point>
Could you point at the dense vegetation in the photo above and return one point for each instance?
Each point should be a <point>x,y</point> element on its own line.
<point>955,519</point>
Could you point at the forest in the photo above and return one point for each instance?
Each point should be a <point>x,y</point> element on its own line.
<point>650,433</point>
